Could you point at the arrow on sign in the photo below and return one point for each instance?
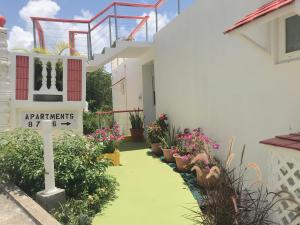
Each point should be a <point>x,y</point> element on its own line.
<point>67,123</point>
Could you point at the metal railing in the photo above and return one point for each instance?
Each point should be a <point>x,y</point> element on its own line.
<point>109,20</point>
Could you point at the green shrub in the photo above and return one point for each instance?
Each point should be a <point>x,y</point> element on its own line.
<point>90,122</point>
<point>79,169</point>
<point>21,159</point>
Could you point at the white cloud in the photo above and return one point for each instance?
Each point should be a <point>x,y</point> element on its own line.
<point>42,8</point>
<point>23,38</point>
<point>19,38</point>
<point>163,20</point>
<point>85,14</point>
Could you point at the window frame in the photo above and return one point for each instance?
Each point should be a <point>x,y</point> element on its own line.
<point>282,54</point>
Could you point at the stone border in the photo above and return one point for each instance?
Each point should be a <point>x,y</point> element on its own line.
<point>34,210</point>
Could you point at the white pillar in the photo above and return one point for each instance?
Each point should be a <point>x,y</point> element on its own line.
<point>46,126</point>
<point>53,76</point>
<point>5,83</point>
<point>44,75</point>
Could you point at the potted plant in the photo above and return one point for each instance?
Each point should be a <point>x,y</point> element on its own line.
<point>168,142</point>
<point>109,139</point>
<point>189,145</point>
<point>183,151</point>
<point>154,133</point>
<point>207,173</point>
<point>137,125</point>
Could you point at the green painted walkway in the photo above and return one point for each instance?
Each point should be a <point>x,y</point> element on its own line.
<point>150,193</point>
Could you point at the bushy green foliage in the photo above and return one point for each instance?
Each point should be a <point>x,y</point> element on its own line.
<point>79,169</point>
<point>90,122</point>
<point>21,159</point>
<point>98,91</point>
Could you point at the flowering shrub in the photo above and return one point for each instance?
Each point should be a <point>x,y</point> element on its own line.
<point>154,132</point>
<point>162,121</point>
<point>156,129</point>
<point>190,143</point>
<point>108,138</point>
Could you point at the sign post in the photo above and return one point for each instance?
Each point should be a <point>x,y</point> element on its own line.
<point>48,156</point>
<point>51,197</point>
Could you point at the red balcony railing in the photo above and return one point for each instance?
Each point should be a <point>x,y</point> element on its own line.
<point>92,24</point>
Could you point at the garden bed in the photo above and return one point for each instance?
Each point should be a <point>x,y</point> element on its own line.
<point>78,170</point>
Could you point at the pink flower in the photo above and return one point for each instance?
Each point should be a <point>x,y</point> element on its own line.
<point>216,146</point>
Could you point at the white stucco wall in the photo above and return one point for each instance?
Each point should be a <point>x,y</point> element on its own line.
<point>5,83</point>
<point>222,84</point>
<point>127,89</point>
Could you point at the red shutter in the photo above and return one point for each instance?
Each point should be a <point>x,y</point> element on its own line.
<point>22,72</point>
<point>74,79</point>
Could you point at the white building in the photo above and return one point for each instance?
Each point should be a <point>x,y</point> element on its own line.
<point>238,80</point>
<point>244,83</point>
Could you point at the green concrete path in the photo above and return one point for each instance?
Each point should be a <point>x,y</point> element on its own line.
<point>150,193</point>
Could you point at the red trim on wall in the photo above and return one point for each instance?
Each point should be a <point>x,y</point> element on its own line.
<point>119,111</point>
<point>22,77</point>
<point>74,80</point>
<point>290,141</point>
<point>262,11</point>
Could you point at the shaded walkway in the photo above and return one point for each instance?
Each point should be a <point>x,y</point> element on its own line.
<point>151,193</point>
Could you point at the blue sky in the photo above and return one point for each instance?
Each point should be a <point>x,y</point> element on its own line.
<point>69,8</point>
<point>18,12</point>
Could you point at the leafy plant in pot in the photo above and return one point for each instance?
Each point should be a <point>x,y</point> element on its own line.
<point>168,142</point>
<point>189,145</point>
<point>108,140</point>
<point>137,125</point>
<point>154,134</point>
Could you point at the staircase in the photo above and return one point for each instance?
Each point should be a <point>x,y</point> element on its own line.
<point>120,49</point>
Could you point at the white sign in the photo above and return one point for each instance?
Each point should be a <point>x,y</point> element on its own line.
<point>62,120</point>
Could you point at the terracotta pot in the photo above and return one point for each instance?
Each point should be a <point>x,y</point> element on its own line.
<point>205,179</point>
<point>156,149</point>
<point>181,164</point>
<point>137,134</point>
<point>168,155</point>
